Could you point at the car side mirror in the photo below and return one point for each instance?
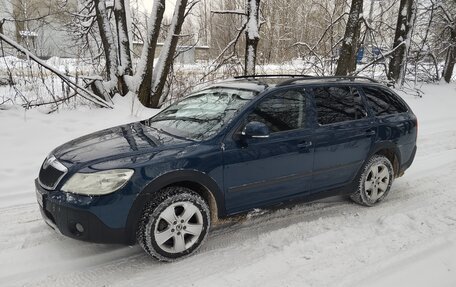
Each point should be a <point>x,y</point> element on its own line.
<point>255,129</point>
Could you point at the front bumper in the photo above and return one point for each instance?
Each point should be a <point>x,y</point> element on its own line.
<point>77,223</point>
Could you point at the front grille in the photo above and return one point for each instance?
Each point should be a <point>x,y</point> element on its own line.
<point>51,173</point>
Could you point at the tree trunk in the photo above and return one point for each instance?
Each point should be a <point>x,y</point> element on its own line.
<point>145,67</point>
<point>252,36</point>
<point>450,60</point>
<point>398,62</point>
<point>167,53</point>
<point>107,39</point>
<point>347,59</point>
<point>125,65</point>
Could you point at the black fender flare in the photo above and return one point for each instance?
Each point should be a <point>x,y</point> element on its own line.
<point>386,145</point>
<point>167,179</point>
<point>382,146</point>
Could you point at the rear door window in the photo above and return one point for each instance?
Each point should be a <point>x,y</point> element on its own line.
<point>338,104</point>
<point>383,102</point>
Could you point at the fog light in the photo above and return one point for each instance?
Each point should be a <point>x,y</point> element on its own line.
<point>79,227</point>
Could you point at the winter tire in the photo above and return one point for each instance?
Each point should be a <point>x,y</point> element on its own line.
<point>375,181</point>
<point>174,224</point>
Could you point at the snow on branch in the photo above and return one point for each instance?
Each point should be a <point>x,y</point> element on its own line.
<point>83,92</point>
<point>146,62</point>
<point>159,67</point>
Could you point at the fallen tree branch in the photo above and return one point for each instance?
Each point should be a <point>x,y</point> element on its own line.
<point>383,56</point>
<point>83,92</point>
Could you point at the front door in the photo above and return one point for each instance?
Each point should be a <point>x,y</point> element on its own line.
<point>262,171</point>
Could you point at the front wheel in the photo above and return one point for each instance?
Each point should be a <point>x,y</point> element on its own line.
<point>375,181</point>
<point>174,224</point>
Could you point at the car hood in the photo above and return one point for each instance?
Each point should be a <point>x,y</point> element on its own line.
<point>113,143</point>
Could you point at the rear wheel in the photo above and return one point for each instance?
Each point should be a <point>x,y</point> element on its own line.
<point>375,181</point>
<point>174,224</point>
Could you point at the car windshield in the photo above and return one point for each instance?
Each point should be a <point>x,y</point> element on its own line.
<point>202,114</point>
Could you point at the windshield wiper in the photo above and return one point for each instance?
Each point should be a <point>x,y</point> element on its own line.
<point>173,135</point>
<point>191,119</point>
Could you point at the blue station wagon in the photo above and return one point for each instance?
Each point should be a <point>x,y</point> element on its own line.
<point>236,145</point>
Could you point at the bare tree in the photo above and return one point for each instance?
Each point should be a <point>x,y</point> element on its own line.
<point>347,59</point>
<point>145,67</point>
<point>250,26</point>
<point>448,15</point>
<point>110,22</point>
<point>450,60</point>
<point>28,22</point>
<point>252,36</point>
<point>109,46</point>
<point>147,81</point>
<point>402,38</point>
<point>167,56</point>
<point>121,10</point>
<point>320,34</point>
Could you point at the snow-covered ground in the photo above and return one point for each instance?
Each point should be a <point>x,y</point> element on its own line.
<point>408,240</point>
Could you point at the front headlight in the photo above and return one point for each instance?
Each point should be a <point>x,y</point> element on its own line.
<point>98,183</point>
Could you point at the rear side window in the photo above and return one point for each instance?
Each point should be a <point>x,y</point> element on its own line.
<point>338,104</point>
<point>281,111</point>
<point>383,102</point>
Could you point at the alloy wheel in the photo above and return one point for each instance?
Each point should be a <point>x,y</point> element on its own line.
<point>377,181</point>
<point>178,227</point>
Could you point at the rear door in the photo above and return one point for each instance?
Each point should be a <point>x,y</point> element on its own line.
<point>395,123</point>
<point>262,171</point>
<point>343,135</point>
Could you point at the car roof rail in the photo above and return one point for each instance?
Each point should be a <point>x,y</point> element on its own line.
<point>271,76</point>
<point>349,78</point>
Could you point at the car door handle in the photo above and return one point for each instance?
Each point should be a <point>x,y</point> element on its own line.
<point>306,144</point>
<point>370,132</point>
